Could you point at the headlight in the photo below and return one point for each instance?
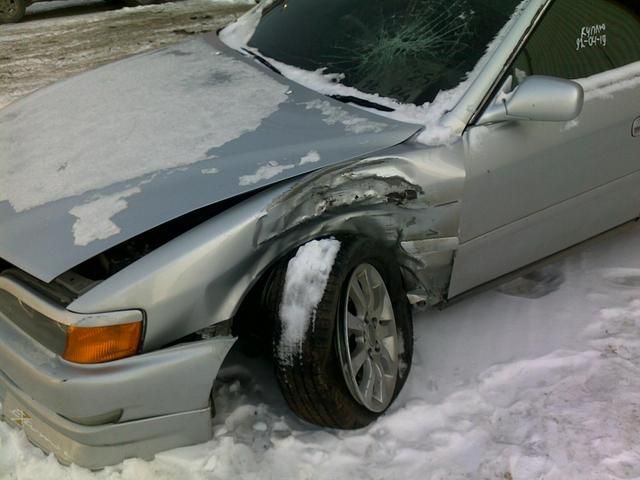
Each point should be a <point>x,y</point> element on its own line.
<point>77,337</point>
<point>102,344</point>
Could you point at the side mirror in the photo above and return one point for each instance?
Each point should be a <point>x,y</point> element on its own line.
<point>538,98</point>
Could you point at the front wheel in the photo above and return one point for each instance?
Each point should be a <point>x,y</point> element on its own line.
<point>343,336</point>
<point>12,11</point>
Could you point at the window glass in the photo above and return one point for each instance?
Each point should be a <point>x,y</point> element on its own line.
<point>581,38</point>
<point>403,49</point>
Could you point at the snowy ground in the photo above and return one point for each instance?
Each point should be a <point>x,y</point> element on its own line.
<point>61,38</point>
<point>537,379</point>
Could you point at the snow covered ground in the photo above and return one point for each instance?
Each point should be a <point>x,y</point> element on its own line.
<point>61,38</point>
<point>504,386</point>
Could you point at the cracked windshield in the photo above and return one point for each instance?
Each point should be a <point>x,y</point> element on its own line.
<point>408,50</point>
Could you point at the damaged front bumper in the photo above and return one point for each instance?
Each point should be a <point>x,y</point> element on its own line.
<point>98,415</point>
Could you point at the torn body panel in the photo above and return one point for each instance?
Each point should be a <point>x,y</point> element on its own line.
<point>403,197</point>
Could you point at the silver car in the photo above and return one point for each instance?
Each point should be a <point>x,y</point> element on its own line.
<point>295,183</point>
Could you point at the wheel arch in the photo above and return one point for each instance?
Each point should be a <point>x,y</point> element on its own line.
<point>403,201</point>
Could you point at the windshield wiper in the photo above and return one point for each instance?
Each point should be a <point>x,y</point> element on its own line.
<point>362,102</point>
<point>341,98</point>
<point>262,60</point>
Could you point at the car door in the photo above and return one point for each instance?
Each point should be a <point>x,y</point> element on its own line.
<point>534,188</point>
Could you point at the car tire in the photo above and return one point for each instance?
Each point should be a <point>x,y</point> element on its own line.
<point>12,11</point>
<point>324,379</point>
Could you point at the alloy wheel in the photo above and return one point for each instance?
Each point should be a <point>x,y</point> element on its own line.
<point>367,339</point>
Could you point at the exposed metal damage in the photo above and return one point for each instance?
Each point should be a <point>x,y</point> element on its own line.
<point>387,198</point>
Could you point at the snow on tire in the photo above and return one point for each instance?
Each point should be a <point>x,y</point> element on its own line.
<point>343,336</point>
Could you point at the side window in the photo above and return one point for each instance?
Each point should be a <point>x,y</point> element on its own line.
<point>580,38</point>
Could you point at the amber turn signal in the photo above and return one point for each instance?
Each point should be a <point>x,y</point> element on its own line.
<point>102,344</point>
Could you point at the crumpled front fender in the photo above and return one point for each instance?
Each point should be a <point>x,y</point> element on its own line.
<point>401,198</point>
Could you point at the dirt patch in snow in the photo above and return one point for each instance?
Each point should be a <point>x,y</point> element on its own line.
<point>46,47</point>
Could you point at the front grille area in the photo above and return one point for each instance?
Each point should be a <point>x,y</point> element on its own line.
<point>32,310</point>
<point>50,334</point>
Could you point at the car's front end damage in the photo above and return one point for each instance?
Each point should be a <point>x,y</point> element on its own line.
<point>159,397</point>
<point>123,280</point>
<point>96,410</point>
<point>187,294</point>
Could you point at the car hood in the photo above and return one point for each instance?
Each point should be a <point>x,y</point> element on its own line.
<point>94,160</point>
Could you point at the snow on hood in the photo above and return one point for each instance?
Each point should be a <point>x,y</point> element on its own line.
<point>123,108</point>
<point>96,159</point>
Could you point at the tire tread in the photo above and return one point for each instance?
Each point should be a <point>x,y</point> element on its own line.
<point>312,383</point>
